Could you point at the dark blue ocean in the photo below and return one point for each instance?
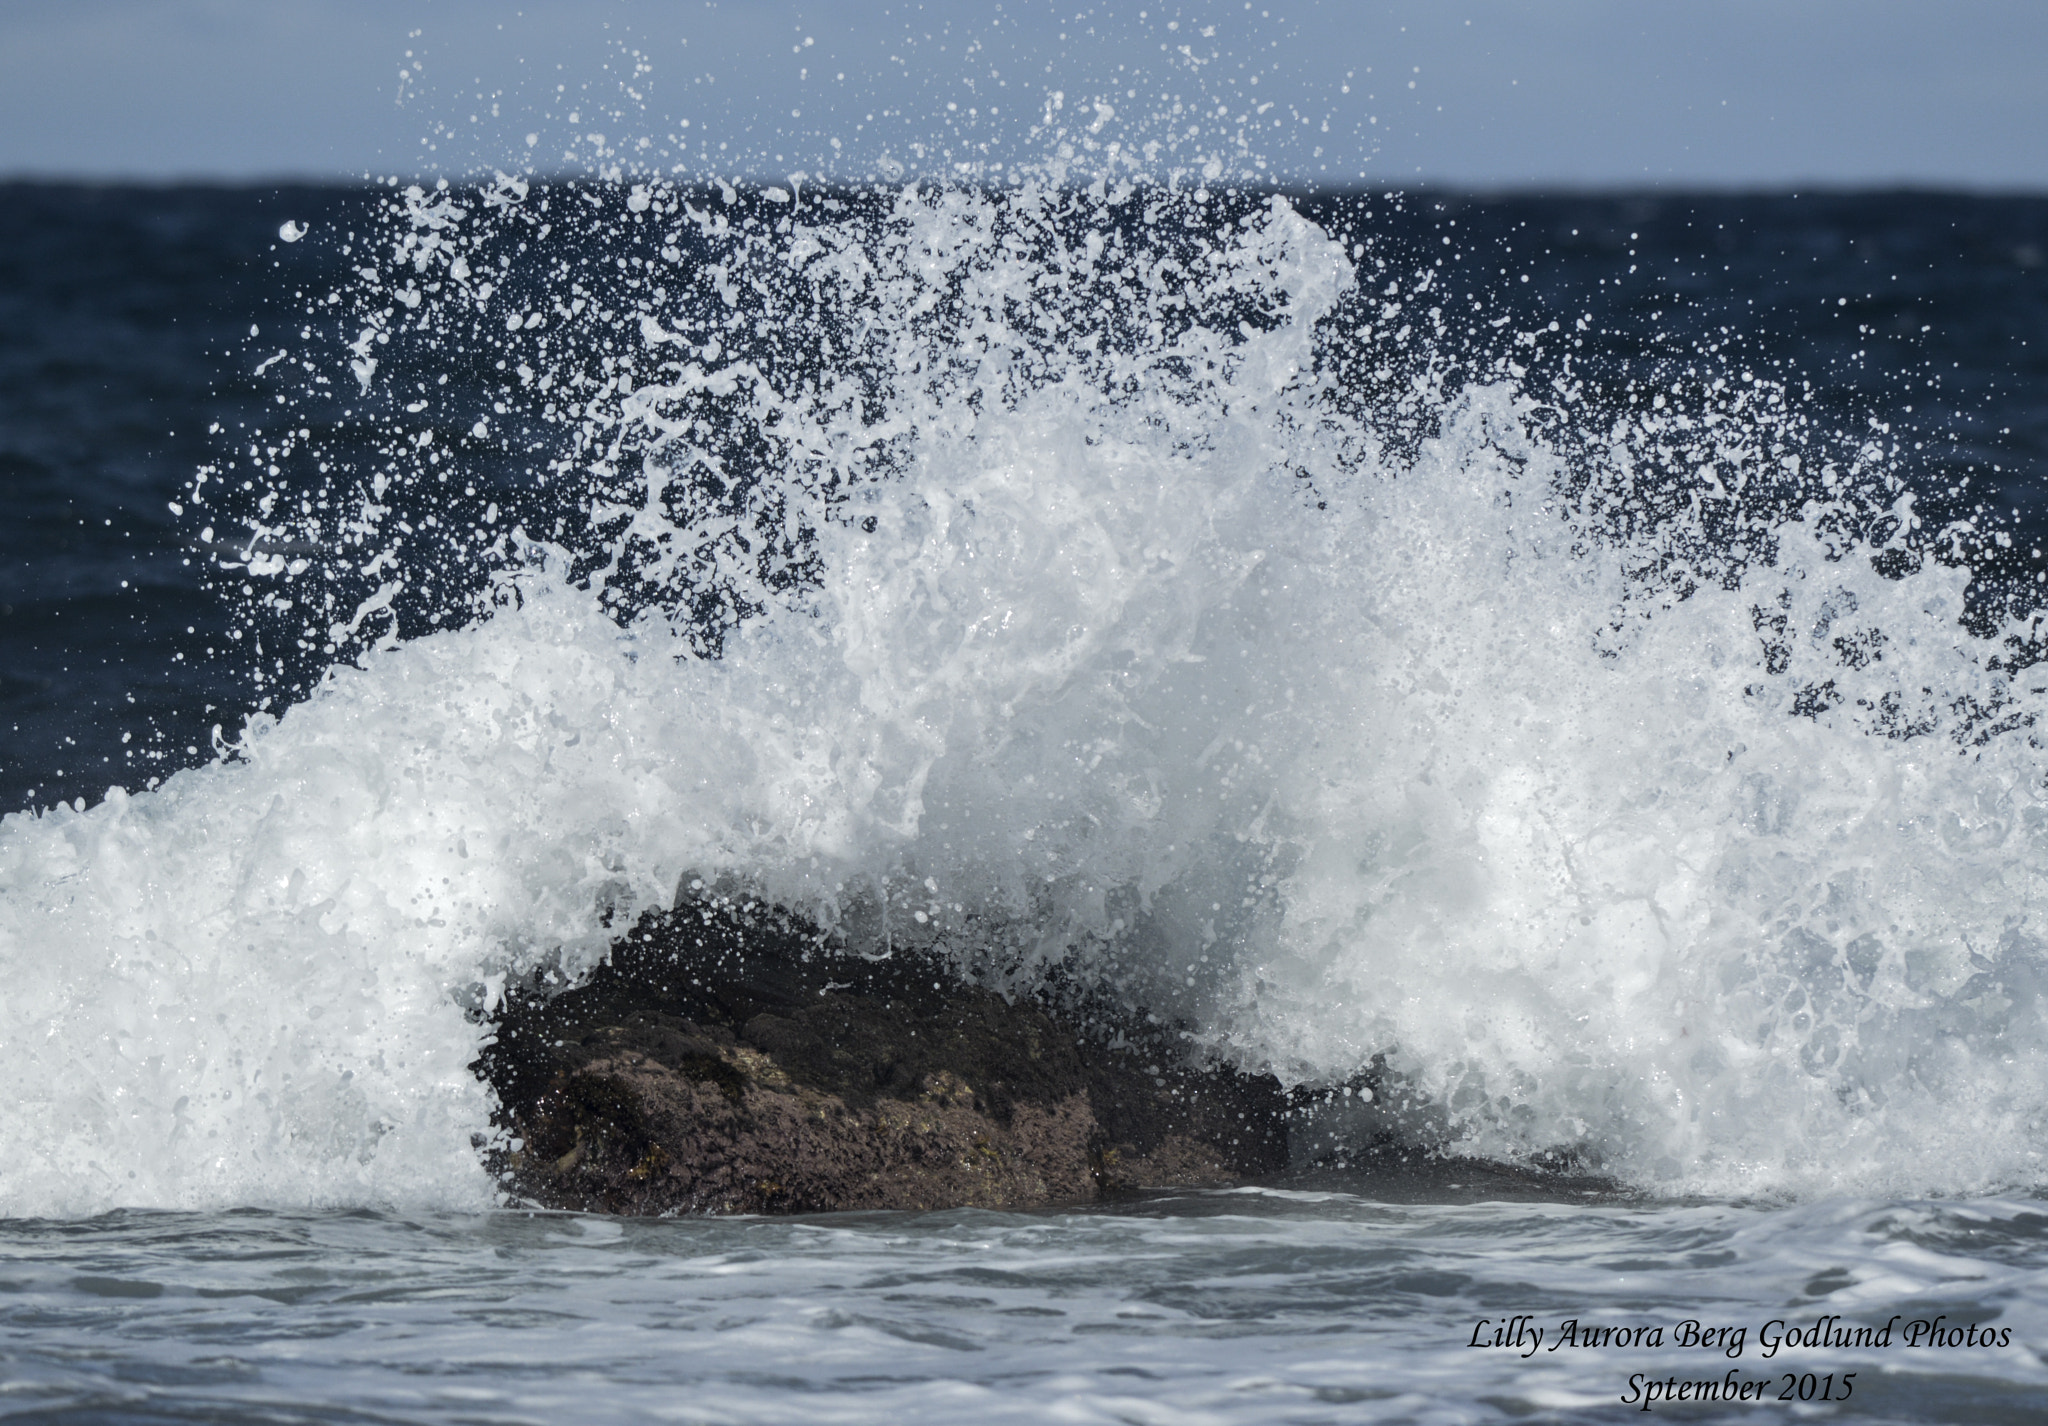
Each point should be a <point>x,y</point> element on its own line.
<point>127,336</point>
<point>1578,655</point>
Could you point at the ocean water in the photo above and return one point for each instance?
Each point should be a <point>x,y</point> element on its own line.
<point>1246,1306</point>
<point>1559,673</point>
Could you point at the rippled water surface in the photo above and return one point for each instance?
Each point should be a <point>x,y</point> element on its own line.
<point>1246,1306</point>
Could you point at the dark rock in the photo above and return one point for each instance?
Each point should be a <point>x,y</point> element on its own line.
<point>729,1060</point>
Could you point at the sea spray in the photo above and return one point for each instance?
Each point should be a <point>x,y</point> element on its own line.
<point>1134,580</point>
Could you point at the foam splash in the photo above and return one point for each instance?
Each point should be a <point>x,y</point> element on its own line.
<point>1014,571</point>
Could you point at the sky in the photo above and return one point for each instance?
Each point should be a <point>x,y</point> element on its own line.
<point>1487,94</point>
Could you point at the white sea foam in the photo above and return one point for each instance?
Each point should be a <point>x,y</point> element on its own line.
<point>1082,616</point>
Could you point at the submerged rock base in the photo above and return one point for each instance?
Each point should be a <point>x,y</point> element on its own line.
<point>727,1060</point>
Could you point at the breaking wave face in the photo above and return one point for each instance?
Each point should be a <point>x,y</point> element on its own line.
<point>1130,583</point>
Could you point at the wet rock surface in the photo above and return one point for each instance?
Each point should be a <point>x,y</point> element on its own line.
<point>729,1060</point>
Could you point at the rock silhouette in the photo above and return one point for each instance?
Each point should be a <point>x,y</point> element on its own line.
<point>728,1060</point>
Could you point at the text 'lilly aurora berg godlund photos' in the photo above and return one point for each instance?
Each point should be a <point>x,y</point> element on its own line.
<point>1521,1334</point>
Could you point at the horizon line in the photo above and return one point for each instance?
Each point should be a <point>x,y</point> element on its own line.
<point>1290,185</point>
